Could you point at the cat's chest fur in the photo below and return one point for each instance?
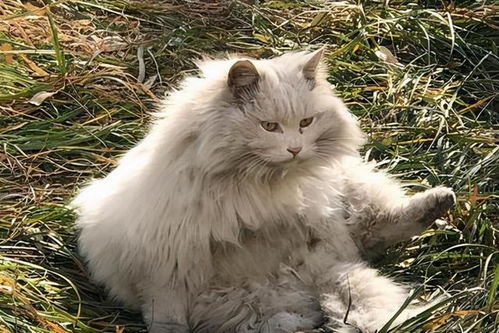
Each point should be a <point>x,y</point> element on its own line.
<point>253,207</point>
<point>287,223</point>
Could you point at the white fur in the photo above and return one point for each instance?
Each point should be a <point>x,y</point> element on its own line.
<point>209,222</point>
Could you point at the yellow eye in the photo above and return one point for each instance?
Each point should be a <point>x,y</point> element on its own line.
<point>305,122</point>
<point>269,126</point>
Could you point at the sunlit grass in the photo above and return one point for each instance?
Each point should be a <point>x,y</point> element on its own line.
<point>78,80</point>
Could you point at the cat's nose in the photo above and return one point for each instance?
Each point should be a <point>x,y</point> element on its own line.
<point>294,150</point>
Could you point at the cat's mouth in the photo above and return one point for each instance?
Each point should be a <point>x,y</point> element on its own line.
<point>287,162</point>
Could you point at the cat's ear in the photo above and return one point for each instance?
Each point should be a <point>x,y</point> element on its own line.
<point>243,77</point>
<point>312,64</point>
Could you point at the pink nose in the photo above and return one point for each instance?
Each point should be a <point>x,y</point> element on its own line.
<point>294,150</point>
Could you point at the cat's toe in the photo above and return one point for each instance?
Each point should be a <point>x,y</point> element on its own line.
<point>437,201</point>
<point>444,198</point>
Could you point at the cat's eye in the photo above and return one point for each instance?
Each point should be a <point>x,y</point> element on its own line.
<point>269,126</point>
<point>306,122</point>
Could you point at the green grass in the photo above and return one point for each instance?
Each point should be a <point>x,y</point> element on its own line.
<point>431,112</point>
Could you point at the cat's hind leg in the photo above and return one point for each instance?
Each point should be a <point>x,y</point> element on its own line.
<point>164,309</point>
<point>359,298</point>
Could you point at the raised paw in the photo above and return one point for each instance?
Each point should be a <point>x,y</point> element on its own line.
<point>426,207</point>
<point>167,327</point>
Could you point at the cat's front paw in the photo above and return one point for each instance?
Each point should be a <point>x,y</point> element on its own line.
<point>426,207</point>
<point>439,200</point>
<point>167,327</point>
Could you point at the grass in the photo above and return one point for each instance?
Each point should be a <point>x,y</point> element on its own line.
<point>78,79</point>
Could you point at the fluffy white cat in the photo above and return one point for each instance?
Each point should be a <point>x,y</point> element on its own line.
<point>247,208</point>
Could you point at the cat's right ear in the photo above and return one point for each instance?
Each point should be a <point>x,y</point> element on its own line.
<point>243,78</point>
<point>312,65</point>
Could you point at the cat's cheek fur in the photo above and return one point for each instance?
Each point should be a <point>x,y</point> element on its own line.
<point>193,231</point>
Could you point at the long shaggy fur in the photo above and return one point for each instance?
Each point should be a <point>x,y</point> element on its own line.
<point>209,224</point>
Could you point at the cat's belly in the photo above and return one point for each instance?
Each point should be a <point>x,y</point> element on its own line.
<point>258,273</point>
<point>259,254</point>
<point>252,307</point>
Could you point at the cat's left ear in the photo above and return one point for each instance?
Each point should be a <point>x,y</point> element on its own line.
<point>243,77</point>
<point>312,64</point>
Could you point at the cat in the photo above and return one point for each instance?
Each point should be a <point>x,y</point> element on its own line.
<point>248,208</point>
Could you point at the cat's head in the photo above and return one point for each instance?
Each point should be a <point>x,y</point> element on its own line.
<point>275,114</point>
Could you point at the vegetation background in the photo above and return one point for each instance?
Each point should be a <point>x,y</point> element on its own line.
<point>79,78</point>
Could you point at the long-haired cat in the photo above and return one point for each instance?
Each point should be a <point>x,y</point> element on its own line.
<point>247,208</point>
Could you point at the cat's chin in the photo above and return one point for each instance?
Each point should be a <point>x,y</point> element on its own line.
<point>302,164</point>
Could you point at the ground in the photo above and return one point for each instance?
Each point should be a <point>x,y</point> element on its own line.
<point>79,79</point>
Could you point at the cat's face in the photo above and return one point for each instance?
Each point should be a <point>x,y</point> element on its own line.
<point>293,132</point>
<point>289,133</point>
<point>287,114</point>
